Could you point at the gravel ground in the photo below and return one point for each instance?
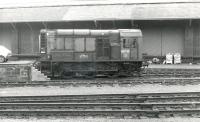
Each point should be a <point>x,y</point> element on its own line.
<point>102,120</point>
<point>56,90</point>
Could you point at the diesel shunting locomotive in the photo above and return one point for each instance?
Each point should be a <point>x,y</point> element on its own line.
<point>84,52</point>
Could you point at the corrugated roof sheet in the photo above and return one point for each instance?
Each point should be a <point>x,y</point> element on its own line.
<point>102,12</point>
<point>31,3</point>
<point>166,11</point>
<point>108,12</point>
<point>33,14</point>
<point>134,12</point>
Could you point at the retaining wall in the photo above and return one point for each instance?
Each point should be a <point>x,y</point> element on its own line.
<point>15,72</point>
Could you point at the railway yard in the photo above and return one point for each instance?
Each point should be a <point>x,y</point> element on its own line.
<point>161,93</point>
<point>100,61</point>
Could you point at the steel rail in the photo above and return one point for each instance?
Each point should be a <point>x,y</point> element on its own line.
<point>103,113</point>
<point>101,82</point>
<point>101,106</point>
<point>145,97</point>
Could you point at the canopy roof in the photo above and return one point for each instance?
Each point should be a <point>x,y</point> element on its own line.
<point>36,3</point>
<point>95,12</point>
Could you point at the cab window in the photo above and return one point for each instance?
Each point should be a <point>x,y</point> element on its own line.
<point>129,42</point>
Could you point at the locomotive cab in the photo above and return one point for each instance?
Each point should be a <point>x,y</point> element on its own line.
<point>131,41</point>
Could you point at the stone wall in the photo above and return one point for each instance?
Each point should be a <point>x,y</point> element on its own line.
<point>13,72</point>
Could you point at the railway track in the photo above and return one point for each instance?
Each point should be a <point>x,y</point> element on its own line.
<point>104,82</point>
<point>167,72</point>
<point>104,113</point>
<point>150,105</point>
<point>108,98</point>
<point>106,110</point>
<point>100,106</point>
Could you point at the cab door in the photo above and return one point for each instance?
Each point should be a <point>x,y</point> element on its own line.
<point>134,48</point>
<point>129,48</point>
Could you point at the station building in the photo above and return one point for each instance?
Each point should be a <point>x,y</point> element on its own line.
<point>167,26</point>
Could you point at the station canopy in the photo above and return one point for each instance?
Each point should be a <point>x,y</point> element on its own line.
<point>98,12</point>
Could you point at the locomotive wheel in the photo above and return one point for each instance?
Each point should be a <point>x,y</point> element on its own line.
<point>2,59</point>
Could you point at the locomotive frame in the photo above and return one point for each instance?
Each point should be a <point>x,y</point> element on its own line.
<point>66,53</point>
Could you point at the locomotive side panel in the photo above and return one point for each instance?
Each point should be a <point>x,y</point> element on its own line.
<point>84,49</point>
<point>115,46</point>
<point>102,48</point>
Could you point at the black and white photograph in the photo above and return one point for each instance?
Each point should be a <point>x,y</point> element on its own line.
<point>99,60</point>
